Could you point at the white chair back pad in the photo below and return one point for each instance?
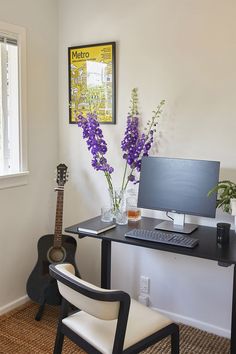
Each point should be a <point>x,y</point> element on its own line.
<point>104,310</point>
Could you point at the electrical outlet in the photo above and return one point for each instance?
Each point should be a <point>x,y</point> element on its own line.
<point>144,285</point>
<point>144,299</point>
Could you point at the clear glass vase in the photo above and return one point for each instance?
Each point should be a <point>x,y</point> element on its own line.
<point>118,205</point>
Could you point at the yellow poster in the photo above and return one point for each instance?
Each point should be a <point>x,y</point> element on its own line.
<point>92,81</point>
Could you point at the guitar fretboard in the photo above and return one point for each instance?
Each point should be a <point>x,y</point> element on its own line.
<point>59,218</point>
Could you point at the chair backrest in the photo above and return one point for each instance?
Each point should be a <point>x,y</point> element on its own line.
<point>98,302</point>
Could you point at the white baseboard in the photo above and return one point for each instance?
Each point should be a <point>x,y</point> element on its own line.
<point>12,305</point>
<point>208,327</point>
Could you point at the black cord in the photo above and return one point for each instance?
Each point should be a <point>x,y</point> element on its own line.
<point>169,216</point>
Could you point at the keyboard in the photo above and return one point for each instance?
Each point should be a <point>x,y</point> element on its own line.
<point>168,238</point>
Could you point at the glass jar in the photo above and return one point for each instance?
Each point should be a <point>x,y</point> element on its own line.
<point>133,212</point>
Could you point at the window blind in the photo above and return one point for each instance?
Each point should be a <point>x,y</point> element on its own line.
<point>8,40</point>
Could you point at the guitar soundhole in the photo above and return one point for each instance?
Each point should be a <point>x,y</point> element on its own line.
<point>56,254</point>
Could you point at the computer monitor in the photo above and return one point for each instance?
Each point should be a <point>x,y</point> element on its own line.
<point>179,186</point>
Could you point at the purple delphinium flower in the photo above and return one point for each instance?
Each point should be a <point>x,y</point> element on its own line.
<point>144,144</point>
<point>95,142</point>
<point>128,144</point>
<point>135,145</point>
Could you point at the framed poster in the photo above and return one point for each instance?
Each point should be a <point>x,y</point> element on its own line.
<point>92,81</point>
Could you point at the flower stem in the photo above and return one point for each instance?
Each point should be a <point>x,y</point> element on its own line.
<point>156,115</point>
<point>109,181</point>
<point>128,179</point>
<point>115,202</point>
<point>123,181</point>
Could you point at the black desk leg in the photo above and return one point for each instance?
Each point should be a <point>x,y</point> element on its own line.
<point>233,319</point>
<point>106,264</point>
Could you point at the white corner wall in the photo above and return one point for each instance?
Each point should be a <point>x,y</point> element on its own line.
<point>183,51</point>
<point>28,212</point>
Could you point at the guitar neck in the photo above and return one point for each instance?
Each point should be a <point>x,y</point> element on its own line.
<point>59,217</point>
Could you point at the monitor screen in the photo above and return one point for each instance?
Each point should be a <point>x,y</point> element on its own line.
<point>178,185</point>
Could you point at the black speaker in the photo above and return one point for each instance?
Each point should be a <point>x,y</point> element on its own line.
<point>222,233</point>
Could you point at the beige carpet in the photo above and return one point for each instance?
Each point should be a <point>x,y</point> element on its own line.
<point>21,334</point>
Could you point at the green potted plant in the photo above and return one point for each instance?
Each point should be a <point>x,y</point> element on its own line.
<point>226,196</point>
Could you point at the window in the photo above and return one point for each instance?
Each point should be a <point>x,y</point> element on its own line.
<point>13,159</point>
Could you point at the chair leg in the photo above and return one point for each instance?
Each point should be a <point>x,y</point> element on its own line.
<point>59,342</point>
<point>60,336</point>
<point>175,341</point>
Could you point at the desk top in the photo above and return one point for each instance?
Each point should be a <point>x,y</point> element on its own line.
<point>207,247</point>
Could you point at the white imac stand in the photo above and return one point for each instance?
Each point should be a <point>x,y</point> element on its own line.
<point>177,225</point>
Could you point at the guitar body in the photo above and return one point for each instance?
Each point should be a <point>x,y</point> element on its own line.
<point>41,287</point>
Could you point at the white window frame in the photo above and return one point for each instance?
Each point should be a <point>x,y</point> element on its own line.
<point>21,177</point>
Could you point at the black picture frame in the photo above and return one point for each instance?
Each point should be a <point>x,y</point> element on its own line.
<point>92,81</point>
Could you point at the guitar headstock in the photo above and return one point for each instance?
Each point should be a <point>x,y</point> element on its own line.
<point>62,175</point>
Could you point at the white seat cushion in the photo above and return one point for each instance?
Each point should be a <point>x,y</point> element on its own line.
<point>142,322</point>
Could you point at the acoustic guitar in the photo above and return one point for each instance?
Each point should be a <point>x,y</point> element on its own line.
<point>52,249</point>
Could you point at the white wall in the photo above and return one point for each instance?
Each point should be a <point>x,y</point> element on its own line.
<point>183,51</point>
<point>27,212</point>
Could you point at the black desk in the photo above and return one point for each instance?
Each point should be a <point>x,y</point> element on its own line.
<point>207,249</point>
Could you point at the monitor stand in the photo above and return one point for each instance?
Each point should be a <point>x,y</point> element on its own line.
<point>177,225</point>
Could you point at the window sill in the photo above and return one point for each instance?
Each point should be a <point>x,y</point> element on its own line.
<point>14,180</point>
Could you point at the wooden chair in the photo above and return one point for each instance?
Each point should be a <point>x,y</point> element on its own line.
<point>108,321</point>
